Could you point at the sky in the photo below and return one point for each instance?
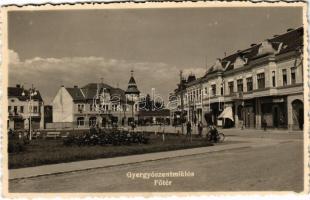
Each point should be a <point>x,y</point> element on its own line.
<point>76,47</point>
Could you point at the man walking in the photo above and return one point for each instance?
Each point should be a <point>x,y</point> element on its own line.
<point>189,129</point>
<point>200,128</point>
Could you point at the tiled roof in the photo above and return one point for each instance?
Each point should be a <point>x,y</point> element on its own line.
<point>89,91</point>
<point>132,90</point>
<point>132,86</point>
<point>17,92</point>
<point>287,42</point>
<point>132,80</point>
<point>76,93</point>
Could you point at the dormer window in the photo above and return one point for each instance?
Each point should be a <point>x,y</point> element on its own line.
<point>240,62</point>
<point>266,48</point>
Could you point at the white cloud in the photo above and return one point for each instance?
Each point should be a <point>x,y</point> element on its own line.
<point>197,71</point>
<point>13,57</point>
<point>48,74</point>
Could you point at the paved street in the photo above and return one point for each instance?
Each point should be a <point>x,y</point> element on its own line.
<point>274,163</point>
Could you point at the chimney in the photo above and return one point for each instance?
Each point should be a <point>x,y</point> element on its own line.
<point>289,29</point>
<point>18,85</point>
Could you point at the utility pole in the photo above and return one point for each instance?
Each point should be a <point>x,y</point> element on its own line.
<point>182,100</point>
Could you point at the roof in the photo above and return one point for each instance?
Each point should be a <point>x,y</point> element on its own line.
<point>89,91</point>
<point>17,93</point>
<point>75,93</point>
<point>132,87</point>
<point>132,80</point>
<point>280,44</point>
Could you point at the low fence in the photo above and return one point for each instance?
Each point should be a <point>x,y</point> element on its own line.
<point>60,125</point>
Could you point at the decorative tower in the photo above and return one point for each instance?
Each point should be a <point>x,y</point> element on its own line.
<point>132,95</point>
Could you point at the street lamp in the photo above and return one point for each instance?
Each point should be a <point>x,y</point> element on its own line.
<point>32,92</point>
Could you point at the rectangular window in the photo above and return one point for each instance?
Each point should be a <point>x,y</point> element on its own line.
<point>293,75</point>
<point>206,90</point>
<point>284,75</point>
<point>35,109</point>
<point>273,79</point>
<point>261,81</point>
<point>22,109</point>
<point>213,88</point>
<point>240,85</point>
<point>80,107</point>
<point>231,87</point>
<point>249,84</point>
<point>9,108</point>
<point>222,89</point>
<point>15,109</point>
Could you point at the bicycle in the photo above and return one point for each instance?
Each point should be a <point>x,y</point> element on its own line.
<point>220,137</point>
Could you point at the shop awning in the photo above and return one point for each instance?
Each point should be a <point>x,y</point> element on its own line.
<point>227,113</point>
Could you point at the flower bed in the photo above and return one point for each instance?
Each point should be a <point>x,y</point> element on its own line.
<point>52,151</point>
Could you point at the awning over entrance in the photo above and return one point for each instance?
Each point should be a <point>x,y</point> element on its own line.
<point>227,113</point>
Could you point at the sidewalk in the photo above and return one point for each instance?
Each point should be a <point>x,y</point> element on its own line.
<point>172,129</point>
<point>108,162</point>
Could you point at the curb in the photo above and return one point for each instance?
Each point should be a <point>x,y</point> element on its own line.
<point>61,168</point>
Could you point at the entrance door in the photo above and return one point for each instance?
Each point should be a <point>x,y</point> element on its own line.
<point>276,117</point>
<point>298,114</point>
<point>301,118</point>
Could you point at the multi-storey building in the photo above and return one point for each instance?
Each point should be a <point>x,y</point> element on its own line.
<point>263,83</point>
<point>94,104</point>
<point>24,108</point>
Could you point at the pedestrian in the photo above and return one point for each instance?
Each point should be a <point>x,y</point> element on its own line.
<point>264,123</point>
<point>200,128</point>
<point>133,125</point>
<point>189,129</point>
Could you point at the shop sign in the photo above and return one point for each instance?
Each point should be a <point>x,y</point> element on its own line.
<point>278,100</point>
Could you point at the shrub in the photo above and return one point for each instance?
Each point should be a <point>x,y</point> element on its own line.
<point>101,137</point>
<point>16,146</point>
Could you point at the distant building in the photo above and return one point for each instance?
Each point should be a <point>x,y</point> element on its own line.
<point>21,109</point>
<point>263,83</point>
<point>95,104</point>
